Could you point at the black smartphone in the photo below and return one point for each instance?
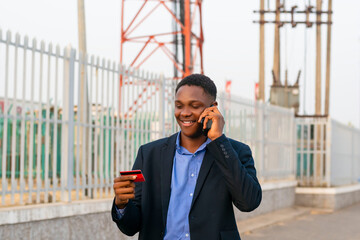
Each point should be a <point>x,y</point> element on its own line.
<point>208,125</point>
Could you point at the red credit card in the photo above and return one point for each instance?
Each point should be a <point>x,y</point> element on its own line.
<point>137,173</point>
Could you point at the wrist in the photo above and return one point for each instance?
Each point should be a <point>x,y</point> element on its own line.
<point>212,138</point>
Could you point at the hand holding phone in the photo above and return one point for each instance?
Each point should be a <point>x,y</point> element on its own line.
<point>208,125</point>
<point>214,121</point>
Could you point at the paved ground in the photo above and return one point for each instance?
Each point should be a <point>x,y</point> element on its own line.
<point>343,224</point>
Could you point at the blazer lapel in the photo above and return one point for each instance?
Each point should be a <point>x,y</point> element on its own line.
<point>167,158</point>
<point>208,161</point>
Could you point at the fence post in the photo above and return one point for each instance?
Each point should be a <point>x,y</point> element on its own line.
<point>293,162</point>
<point>328,152</point>
<point>353,165</point>
<point>6,114</point>
<point>67,136</point>
<point>222,108</point>
<point>260,106</point>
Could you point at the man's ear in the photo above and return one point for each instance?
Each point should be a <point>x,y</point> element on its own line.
<point>215,103</point>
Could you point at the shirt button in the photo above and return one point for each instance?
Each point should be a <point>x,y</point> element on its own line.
<point>187,235</point>
<point>192,175</point>
<point>191,194</point>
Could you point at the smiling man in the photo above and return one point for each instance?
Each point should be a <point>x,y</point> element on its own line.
<point>192,179</point>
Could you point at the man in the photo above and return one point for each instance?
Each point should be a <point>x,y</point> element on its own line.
<point>192,180</point>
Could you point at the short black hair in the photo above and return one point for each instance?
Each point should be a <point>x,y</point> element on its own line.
<point>199,80</point>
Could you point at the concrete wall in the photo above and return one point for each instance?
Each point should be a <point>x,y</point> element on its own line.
<point>276,195</point>
<point>92,219</point>
<point>80,227</point>
<point>88,219</point>
<point>328,198</point>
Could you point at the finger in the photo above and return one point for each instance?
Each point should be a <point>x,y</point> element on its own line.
<point>121,191</point>
<point>117,179</point>
<point>215,110</point>
<point>124,178</point>
<point>126,196</point>
<point>205,113</point>
<point>122,184</point>
<point>207,118</point>
<point>128,177</point>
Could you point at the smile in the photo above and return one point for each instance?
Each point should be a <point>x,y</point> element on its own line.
<point>187,123</point>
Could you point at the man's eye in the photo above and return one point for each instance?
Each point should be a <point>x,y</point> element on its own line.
<point>178,106</point>
<point>195,106</point>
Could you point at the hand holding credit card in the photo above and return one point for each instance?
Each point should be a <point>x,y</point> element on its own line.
<point>139,176</point>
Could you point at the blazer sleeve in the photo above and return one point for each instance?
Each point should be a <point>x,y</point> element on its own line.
<point>130,222</point>
<point>237,165</point>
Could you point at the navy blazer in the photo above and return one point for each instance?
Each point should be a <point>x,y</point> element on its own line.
<point>227,176</point>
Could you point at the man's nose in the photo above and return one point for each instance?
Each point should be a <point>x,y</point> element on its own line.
<point>186,111</point>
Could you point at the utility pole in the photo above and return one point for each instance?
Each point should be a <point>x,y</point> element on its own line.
<point>309,10</point>
<point>262,54</point>
<point>81,26</point>
<point>276,66</point>
<point>82,49</point>
<point>318,59</point>
<point>83,105</point>
<point>328,54</point>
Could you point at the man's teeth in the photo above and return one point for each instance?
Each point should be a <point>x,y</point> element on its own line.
<point>188,121</point>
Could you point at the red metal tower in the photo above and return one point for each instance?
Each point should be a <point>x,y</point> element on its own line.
<point>186,34</point>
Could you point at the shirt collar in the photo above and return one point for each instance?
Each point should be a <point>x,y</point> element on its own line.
<point>183,150</point>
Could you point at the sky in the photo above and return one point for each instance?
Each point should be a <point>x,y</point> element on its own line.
<point>231,47</point>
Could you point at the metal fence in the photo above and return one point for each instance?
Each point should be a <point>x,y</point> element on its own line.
<point>59,142</point>
<point>345,154</point>
<point>328,153</point>
<point>268,130</point>
<point>70,122</point>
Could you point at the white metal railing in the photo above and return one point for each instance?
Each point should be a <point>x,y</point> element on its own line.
<point>268,130</point>
<point>312,157</point>
<point>63,138</point>
<point>51,149</point>
<point>345,154</point>
<point>327,153</point>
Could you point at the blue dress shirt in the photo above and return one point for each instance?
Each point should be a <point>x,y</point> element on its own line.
<point>185,171</point>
